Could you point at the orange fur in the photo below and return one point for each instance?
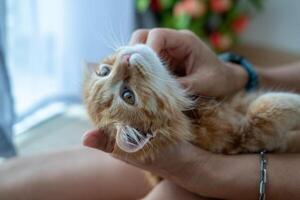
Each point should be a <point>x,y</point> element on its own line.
<point>242,123</point>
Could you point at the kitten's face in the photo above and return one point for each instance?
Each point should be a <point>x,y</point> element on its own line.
<point>132,94</point>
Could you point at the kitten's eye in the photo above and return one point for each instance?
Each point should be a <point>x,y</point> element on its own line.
<point>128,96</point>
<point>103,71</point>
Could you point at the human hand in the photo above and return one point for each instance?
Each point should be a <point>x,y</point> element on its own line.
<point>199,69</point>
<point>184,164</point>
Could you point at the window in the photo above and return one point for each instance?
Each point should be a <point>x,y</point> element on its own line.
<point>48,42</point>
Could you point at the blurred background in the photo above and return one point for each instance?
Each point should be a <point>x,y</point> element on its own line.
<point>44,44</point>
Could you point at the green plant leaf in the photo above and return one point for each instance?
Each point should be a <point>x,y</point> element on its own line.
<point>167,21</point>
<point>183,21</point>
<point>142,5</point>
<point>167,4</point>
<point>258,4</point>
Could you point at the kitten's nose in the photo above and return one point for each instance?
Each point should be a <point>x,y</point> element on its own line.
<point>126,59</point>
<point>123,68</point>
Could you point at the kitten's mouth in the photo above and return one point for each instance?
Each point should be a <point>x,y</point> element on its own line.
<point>130,139</point>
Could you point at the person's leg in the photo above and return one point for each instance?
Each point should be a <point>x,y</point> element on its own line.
<point>169,191</point>
<point>80,173</point>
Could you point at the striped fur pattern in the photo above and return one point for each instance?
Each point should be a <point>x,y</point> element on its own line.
<point>162,114</point>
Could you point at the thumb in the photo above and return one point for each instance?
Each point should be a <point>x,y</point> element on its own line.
<point>184,82</point>
<point>98,139</point>
<point>196,85</point>
<point>174,161</point>
<point>188,83</point>
<point>179,163</point>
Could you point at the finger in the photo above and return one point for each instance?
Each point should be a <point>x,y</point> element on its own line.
<point>184,82</point>
<point>195,85</point>
<point>162,38</point>
<point>98,139</point>
<point>139,36</point>
<point>165,163</point>
<point>187,83</point>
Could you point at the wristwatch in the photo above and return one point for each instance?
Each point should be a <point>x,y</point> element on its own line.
<point>253,82</point>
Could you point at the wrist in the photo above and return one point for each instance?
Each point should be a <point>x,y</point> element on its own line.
<point>198,174</point>
<point>238,76</point>
<point>210,179</point>
<point>220,182</point>
<point>252,80</point>
<point>234,175</point>
<point>264,77</point>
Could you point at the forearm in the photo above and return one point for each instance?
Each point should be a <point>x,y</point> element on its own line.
<point>237,177</point>
<point>285,77</point>
<point>49,176</point>
<point>168,190</point>
<point>79,173</point>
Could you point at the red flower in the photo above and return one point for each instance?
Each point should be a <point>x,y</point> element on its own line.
<point>240,23</point>
<point>220,6</point>
<point>193,8</point>
<point>215,39</point>
<point>156,5</point>
<point>220,41</point>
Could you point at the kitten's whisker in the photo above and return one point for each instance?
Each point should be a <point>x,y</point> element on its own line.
<point>109,34</point>
<point>150,144</point>
<point>127,38</point>
<point>167,135</point>
<point>213,107</point>
<point>157,77</point>
<point>144,151</point>
<point>114,36</point>
<point>102,39</point>
<point>124,36</point>
<point>121,34</point>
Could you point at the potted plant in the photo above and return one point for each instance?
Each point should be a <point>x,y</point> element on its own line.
<point>218,22</point>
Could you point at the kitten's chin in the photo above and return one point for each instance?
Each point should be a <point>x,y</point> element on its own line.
<point>131,140</point>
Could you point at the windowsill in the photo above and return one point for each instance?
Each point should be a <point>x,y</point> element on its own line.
<point>60,132</point>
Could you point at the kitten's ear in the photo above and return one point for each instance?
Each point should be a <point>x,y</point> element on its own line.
<point>90,68</point>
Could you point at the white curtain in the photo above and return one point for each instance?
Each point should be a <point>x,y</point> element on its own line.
<point>49,40</point>
<point>6,109</point>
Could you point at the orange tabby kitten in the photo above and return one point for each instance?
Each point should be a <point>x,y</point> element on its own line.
<point>133,96</point>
